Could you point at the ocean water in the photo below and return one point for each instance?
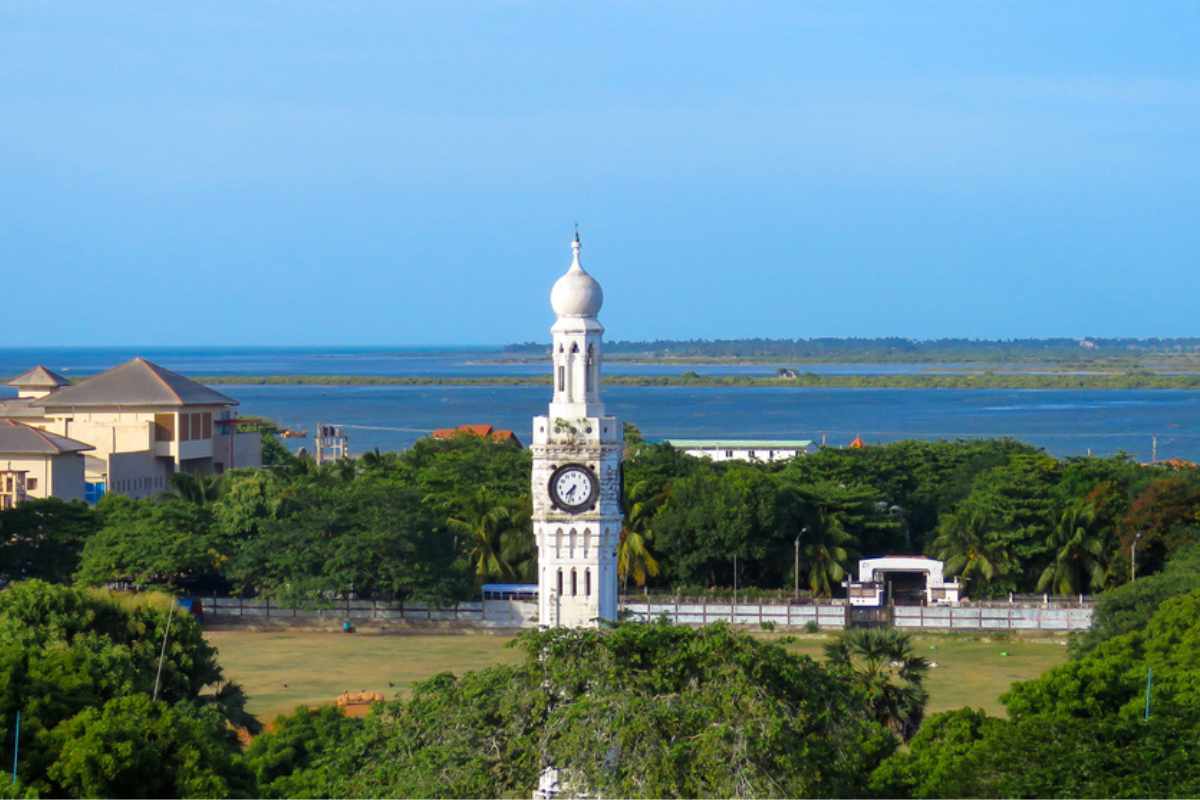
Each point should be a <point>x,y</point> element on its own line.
<point>392,417</point>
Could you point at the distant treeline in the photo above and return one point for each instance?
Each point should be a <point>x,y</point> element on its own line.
<point>804,380</point>
<point>891,349</point>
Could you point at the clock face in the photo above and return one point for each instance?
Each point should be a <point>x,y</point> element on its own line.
<point>573,488</point>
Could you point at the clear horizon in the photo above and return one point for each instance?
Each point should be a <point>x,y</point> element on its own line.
<point>299,173</point>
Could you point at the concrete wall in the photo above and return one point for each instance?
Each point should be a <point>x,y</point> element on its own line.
<point>247,450</point>
<point>992,618</point>
<point>703,613</point>
<point>138,474</point>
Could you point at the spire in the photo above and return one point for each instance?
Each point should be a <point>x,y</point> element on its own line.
<point>576,246</point>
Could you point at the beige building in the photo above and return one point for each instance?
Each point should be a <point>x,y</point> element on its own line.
<point>142,422</point>
<point>36,463</point>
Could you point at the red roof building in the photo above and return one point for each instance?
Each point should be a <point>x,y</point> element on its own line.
<point>482,430</point>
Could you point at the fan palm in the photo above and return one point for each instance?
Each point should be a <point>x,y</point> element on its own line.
<point>883,666</point>
<point>1079,553</point>
<point>964,543</point>
<point>483,522</point>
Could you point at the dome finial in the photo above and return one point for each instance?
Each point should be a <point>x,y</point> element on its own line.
<point>576,246</point>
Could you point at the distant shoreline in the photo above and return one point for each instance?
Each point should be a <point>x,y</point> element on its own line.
<point>986,380</point>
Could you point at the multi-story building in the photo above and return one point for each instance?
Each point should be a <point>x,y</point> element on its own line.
<point>36,463</point>
<point>141,421</point>
<point>743,449</point>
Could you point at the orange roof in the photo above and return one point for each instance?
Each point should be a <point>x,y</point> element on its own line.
<point>481,429</point>
<point>858,443</point>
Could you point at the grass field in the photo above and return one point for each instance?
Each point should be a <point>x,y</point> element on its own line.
<point>281,670</point>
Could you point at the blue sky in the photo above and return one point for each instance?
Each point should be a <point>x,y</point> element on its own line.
<point>309,172</point>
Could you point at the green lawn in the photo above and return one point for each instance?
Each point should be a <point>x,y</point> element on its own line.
<point>280,670</point>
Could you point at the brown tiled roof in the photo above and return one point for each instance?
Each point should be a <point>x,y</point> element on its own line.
<point>137,383</point>
<point>40,377</point>
<point>17,437</point>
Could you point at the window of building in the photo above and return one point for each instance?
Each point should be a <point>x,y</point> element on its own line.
<point>571,544</point>
<point>164,427</point>
<point>587,542</point>
<point>562,380</point>
<point>729,454</point>
<point>31,484</point>
<point>185,427</point>
<point>587,583</point>
<point>558,543</point>
<point>574,583</point>
<point>206,418</point>
<point>560,582</point>
<point>197,425</point>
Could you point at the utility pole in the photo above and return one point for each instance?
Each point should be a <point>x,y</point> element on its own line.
<point>1133,557</point>
<point>796,568</point>
<point>733,612</point>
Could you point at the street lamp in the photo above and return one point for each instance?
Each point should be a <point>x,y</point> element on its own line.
<point>796,568</point>
<point>1133,557</point>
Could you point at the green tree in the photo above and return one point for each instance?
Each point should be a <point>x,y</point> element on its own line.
<point>165,542</point>
<point>483,525</point>
<point>965,542</point>
<point>883,666</point>
<point>292,760</point>
<point>44,539</point>
<point>634,558</point>
<point>633,711</point>
<point>196,488</point>
<point>1079,553</point>
<point>135,747</point>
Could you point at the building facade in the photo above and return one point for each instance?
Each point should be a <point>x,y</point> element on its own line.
<point>577,450</point>
<point>142,422</point>
<point>758,450</point>
<point>38,464</point>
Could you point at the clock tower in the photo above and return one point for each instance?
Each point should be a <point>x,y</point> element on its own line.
<point>577,467</point>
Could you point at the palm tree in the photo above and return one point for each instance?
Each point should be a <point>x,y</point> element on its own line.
<point>1079,553</point>
<point>198,488</point>
<point>964,543</point>
<point>484,522</point>
<point>634,558</point>
<point>825,549</point>
<point>883,666</point>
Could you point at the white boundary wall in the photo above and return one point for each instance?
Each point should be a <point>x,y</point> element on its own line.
<point>992,618</point>
<point>524,614</point>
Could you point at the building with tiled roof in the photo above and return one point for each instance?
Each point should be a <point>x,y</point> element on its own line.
<point>482,430</point>
<point>37,463</point>
<point>142,421</point>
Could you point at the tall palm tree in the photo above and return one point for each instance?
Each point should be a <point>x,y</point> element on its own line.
<point>964,543</point>
<point>483,522</point>
<point>1079,552</point>
<point>883,666</point>
<point>825,548</point>
<point>634,559</point>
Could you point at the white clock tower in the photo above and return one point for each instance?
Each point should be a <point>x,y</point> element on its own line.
<point>577,467</point>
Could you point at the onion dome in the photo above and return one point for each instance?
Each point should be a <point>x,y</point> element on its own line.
<point>576,294</point>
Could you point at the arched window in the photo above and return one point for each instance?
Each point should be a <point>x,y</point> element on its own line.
<point>571,544</point>
<point>560,582</point>
<point>590,371</point>
<point>574,584</point>
<point>575,347</point>
<point>587,582</point>
<point>558,543</point>
<point>587,542</point>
